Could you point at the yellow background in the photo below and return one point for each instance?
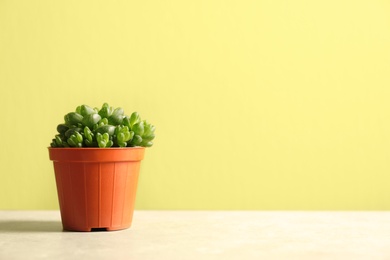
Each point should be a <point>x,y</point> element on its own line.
<point>257,104</point>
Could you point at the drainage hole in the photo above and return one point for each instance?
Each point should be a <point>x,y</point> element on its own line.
<point>98,229</point>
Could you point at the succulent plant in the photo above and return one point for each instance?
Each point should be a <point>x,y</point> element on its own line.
<point>105,127</point>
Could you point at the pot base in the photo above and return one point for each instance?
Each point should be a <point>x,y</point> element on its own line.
<point>99,229</point>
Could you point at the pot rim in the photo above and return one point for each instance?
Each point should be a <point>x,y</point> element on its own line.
<point>96,154</point>
<point>97,148</point>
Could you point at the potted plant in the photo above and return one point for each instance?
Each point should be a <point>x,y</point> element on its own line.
<point>96,156</point>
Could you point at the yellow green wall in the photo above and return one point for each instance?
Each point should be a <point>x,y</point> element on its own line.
<point>258,104</point>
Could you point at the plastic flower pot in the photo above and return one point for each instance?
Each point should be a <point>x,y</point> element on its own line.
<point>96,186</point>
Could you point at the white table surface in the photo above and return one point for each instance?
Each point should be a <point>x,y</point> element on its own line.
<point>202,235</point>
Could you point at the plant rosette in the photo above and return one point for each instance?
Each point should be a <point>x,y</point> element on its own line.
<point>104,128</point>
<point>96,156</point>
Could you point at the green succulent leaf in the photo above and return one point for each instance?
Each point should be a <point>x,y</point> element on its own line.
<point>134,119</point>
<point>88,134</point>
<point>58,141</point>
<point>138,128</point>
<point>123,135</point>
<point>73,118</point>
<point>126,121</point>
<point>117,117</point>
<point>147,144</point>
<point>148,134</point>
<point>73,131</point>
<point>109,129</point>
<point>105,111</point>
<point>91,119</point>
<point>104,140</point>
<point>75,140</point>
<point>137,140</point>
<point>62,128</point>
<point>86,110</point>
<point>103,121</point>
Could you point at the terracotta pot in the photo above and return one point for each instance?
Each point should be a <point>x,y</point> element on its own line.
<point>96,186</point>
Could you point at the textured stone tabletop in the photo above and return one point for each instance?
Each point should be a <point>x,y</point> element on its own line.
<point>202,235</point>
